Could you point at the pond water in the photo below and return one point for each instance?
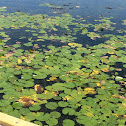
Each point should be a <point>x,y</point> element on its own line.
<point>62,62</point>
<point>89,10</point>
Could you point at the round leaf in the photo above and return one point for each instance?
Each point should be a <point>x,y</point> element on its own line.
<point>68,122</point>
<point>51,105</point>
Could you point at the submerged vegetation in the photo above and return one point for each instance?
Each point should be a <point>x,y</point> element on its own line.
<point>48,78</point>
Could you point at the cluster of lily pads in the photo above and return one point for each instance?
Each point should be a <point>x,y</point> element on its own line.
<point>62,85</point>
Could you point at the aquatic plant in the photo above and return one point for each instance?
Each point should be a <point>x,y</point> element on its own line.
<point>61,85</point>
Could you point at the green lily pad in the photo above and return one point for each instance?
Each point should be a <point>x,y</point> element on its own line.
<point>62,104</point>
<point>24,111</point>
<point>16,45</point>
<point>30,116</point>
<point>15,113</point>
<point>26,76</point>
<point>7,109</point>
<point>69,111</point>
<point>68,122</point>
<point>48,95</point>
<point>28,44</point>
<point>51,105</point>
<point>17,105</point>
<point>4,103</point>
<point>35,107</point>
<point>28,84</point>
<point>40,76</point>
<point>52,121</point>
<point>38,123</point>
<point>17,72</point>
<point>55,114</point>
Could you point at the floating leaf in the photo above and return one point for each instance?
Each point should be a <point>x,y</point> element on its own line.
<point>51,105</point>
<point>26,76</point>
<point>52,121</point>
<point>58,86</point>
<point>35,107</point>
<point>24,111</point>
<point>68,122</point>
<point>28,83</point>
<point>17,105</point>
<point>30,116</point>
<point>4,102</point>
<point>28,44</point>
<point>55,114</point>
<point>46,95</point>
<point>15,113</point>
<point>69,111</point>
<point>38,123</point>
<point>62,104</point>
<point>40,76</point>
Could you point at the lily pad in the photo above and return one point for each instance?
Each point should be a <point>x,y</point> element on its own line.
<point>68,122</point>
<point>51,105</point>
<point>35,108</point>
<point>55,114</point>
